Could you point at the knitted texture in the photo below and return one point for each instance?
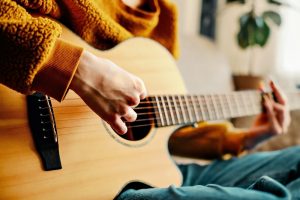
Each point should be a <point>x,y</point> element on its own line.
<point>27,41</point>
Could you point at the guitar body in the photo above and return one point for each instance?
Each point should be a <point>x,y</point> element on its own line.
<point>96,162</point>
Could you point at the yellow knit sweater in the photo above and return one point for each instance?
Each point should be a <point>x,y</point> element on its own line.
<point>31,49</point>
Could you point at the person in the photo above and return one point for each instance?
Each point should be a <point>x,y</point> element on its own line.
<point>32,53</point>
<point>260,176</point>
<point>31,50</point>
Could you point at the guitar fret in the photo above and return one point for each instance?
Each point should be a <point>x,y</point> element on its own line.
<point>171,110</point>
<point>238,112</point>
<point>203,107</point>
<point>243,106</point>
<point>221,106</point>
<point>199,104</point>
<point>165,109</point>
<point>210,115</point>
<point>232,106</point>
<point>159,111</point>
<point>176,109</point>
<point>215,107</point>
<point>229,105</point>
<point>182,110</point>
<point>246,102</point>
<point>256,101</point>
<point>188,108</point>
<point>226,111</point>
<point>251,101</point>
<point>179,109</point>
<point>228,108</point>
<point>238,101</point>
<point>195,108</point>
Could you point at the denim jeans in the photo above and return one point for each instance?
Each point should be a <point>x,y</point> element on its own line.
<point>259,176</point>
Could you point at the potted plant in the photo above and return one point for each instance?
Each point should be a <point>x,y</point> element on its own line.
<point>254,30</point>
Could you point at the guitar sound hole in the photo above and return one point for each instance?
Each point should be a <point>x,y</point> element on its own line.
<point>145,121</point>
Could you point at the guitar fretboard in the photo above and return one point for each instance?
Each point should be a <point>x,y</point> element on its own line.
<point>185,109</point>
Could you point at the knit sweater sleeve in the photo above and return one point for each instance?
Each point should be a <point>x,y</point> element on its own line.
<point>28,45</point>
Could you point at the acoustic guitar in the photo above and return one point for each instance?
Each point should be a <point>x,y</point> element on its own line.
<point>96,162</point>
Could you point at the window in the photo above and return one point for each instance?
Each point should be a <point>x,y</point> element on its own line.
<point>289,51</point>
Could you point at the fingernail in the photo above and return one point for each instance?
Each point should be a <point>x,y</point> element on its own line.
<point>121,130</point>
<point>261,86</point>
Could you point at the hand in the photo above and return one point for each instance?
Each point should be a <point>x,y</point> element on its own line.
<point>108,90</point>
<point>274,121</point>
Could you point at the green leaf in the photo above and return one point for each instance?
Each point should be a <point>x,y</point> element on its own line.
<point>262,31</point>
<point>243,39</point>
<point>244,19</point>
<point>236,1</point>
<point>246,36</point>
<point>275,2</point>
<point>250,28</point>
<point>253,31</point>
<point>274,16</point>
<point>259,22</point>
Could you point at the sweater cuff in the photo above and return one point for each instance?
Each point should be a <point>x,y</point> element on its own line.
<point>55,76</point>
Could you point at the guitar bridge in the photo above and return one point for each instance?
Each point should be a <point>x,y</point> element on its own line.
<point>43,129</point>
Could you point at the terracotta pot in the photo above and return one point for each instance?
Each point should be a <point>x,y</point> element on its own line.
<point>245,82</point>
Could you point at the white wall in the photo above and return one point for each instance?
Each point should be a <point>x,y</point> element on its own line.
<point>289,48</point>
<point>262,60</point>
<point>189,15</point>
<point>203,67</point>
<point>201,56</point>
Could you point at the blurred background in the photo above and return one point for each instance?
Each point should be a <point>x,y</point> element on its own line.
<point>231,45</point>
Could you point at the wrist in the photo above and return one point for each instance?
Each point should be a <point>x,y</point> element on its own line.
<point>84,72</point>
<point>233,143</point>
<point>256,135</point>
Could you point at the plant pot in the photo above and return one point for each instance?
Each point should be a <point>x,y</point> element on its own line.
<point>246,82</point>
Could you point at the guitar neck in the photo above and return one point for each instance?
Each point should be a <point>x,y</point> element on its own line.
<point>184,109</point>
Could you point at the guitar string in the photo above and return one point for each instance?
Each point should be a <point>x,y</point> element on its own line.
<point>174,104</point>
<point>147,124</point>
<point>198,111</point>
<point>167,106</point>
<point>250,107</point>
<point>292,95</point>
<point>150,124</point>
<point>157,123</point>
<point>178,121</point>
<point>207,106</point>
<point>195,108</point>
<point>236,94</point>
<point>185,106</point>
<point>135,126</point>
<point>185,111</point>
